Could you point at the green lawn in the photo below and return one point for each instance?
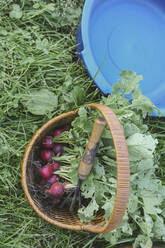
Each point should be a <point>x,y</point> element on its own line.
<point>38,50</point>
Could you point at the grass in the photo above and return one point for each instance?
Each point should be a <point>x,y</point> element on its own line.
<point>38,50</point>
<point>26,64</point>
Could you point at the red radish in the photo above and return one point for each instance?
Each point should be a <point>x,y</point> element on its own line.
<point>46,171</point>
<point>57,189</point>
<point>56,201</point>
<point>53,179</point>
<point>47,155</point>
<point>55,165</point>
<point>58,132</point>
<point>58,149</point>
<point>48,142</point>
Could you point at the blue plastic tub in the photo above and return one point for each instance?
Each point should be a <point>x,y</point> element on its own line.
<point>125,34</point>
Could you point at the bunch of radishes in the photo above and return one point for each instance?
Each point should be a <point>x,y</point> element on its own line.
<point>54,188</point>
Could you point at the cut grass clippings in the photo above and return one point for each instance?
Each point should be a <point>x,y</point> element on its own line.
<point>38,51</point>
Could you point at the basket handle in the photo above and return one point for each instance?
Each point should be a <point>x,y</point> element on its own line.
<point>123,170</point>
<point>90,150</point>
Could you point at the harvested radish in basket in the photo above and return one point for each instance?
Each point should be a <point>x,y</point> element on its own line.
<point>57,189</point>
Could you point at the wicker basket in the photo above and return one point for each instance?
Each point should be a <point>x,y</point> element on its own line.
<point>62,217</point>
